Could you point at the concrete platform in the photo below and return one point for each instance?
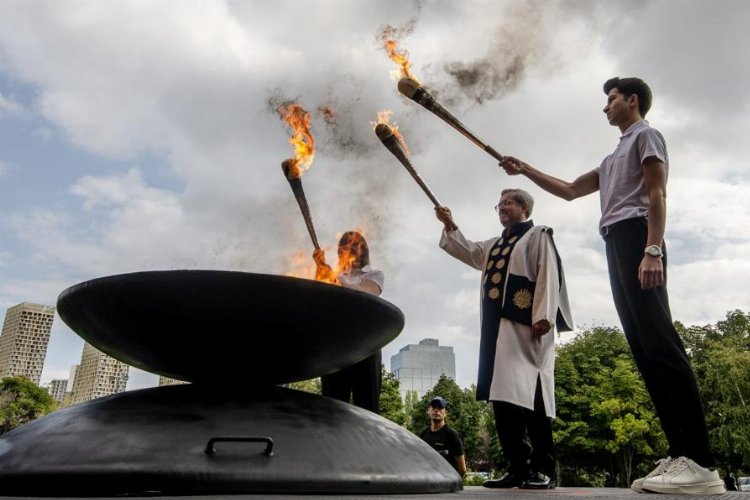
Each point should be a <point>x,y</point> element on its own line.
<point>469,493</point>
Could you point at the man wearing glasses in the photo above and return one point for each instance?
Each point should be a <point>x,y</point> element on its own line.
<point>523,300</point>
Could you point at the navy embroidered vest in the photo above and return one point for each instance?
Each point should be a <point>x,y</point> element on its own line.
<point>493,283</point>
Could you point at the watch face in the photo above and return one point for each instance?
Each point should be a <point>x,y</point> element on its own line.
<point>654,251</point>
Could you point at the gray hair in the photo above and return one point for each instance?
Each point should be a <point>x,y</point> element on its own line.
<point>522,198</point>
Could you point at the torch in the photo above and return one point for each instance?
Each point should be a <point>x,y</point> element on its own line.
<point>390,141</point>
<point>293,174</point>
<point>414,91</point>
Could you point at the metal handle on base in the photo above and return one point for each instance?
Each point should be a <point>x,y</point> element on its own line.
<point>210,450</point>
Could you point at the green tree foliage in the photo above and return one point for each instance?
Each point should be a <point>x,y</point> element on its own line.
<point>22,401</point>
<point>411,399</point>
<point>391,406</point>
<point>720,355</point>
<point>311,385</point>
<point>606,422</point>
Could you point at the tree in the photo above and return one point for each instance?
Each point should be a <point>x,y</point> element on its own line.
<point>411,399</point>
<point>22,401</point>
<point>311,385</point>
<point>391,406</point>
<point>605,416</point>
<point>720,356</point>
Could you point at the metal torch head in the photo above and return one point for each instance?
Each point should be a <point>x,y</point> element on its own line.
<point>383,131</point>
<point>408,86</point>
<point>290,169</point>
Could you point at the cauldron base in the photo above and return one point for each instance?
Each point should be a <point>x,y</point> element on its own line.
<point>153,442</point>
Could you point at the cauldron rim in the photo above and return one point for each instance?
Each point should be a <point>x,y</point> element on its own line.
<point>126,315</point>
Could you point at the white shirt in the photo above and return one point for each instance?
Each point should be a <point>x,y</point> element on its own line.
<point>354,278</point>
<point>622,191</point>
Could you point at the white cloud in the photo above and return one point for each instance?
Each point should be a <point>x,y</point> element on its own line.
<point>9,107</point>
<point>189,85</point>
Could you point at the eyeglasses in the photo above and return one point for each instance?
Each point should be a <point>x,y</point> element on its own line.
<point>504,203</point>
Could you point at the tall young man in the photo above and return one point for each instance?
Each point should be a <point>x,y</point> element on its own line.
<point>632,187</point>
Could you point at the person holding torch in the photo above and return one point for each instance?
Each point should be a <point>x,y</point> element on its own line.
<point>361,382</point>
<point>632,185</point>
<point>523,301</point>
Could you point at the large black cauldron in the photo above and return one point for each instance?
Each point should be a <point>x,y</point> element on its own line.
<point>227,326</point>
<point>231,431</point>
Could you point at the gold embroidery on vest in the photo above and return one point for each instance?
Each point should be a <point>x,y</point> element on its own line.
<point>522,299</point>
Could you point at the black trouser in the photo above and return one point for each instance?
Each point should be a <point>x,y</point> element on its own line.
<point>655,344</point>
<point>513,422</point>
<point>359,383</point>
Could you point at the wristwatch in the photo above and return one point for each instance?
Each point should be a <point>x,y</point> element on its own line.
<point>653,251</point>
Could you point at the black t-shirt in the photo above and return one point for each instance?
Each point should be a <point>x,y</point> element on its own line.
<point>445,441</point>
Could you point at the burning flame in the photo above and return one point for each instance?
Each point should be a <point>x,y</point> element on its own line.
<point>302,140</point>
<point>384,117</point>
<point>400,57</point>
<point>301,265</point>
<point>389,37</point>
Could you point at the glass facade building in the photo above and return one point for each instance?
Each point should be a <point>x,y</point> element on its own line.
<point>418,366</point>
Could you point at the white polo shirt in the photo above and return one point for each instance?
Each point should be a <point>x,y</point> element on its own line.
<point>622,191</point>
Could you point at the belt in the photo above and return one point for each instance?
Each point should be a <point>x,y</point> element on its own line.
<point>605,230</point>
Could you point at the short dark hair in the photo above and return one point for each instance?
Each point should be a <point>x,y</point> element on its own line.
<point>630,86</point>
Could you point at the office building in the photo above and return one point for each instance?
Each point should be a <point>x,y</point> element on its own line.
<point>23,342</point>
<point>418,366</point>
<point>170,381</point>
<point>98,375</point>
<point>57,389</point>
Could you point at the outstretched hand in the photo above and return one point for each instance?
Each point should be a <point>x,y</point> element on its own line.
<point>512,165</point>
<point>444,215</point>
<point>319,256</point>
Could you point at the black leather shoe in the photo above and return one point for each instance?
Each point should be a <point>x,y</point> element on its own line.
<point>509,480</point>
<point>538,481</point>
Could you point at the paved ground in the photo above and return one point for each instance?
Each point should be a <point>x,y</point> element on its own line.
<point>469,493</point>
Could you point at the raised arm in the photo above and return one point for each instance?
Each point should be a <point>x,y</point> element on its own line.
<point>454,242</point>
<point>582,186</point>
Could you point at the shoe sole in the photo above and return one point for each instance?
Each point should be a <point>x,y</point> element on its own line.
<point>712,488</point>
<point>638,488</point>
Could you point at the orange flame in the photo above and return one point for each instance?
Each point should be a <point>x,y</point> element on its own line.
<point>384,117</point>
<point>389,38</point>
<point>301,264</point>
<point>400,57</point>
<point>302,140</point>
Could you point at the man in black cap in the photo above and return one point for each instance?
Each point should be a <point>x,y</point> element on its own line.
<point>442,438</point>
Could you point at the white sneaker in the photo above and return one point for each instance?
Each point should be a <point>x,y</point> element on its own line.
<point>685,476</point>
<point>661,467</point>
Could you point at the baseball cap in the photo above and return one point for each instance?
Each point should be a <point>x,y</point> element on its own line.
<point>439,401</point>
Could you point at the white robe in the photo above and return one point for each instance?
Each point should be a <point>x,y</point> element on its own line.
<point>519,357</point>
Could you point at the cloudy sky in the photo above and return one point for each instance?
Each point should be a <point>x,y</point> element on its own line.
<point>140,135</point>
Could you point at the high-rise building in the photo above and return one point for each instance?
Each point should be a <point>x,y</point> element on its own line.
<point>23,343</point>
<point>170,381</point>
<point>98,375</point>
<point>418,366</point>
<point>68,398</point>
<point>57,389</point>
